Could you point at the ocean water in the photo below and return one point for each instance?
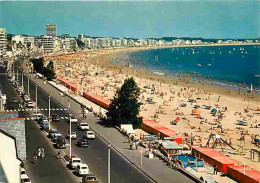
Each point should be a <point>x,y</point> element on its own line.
<point>227,66</point>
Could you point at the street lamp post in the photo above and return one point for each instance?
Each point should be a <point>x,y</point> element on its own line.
<point>141,157</point>
<point>22,80</point>
<point>49,111</point>
<point>28,86</point>
<point>108,178</point>
<point>36,98</point>
<point>70,136</point>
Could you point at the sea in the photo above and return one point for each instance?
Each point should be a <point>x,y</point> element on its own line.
<point>230,67</point>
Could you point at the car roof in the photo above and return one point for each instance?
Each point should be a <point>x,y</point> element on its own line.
<point>24,176</point>
<point>89,131</point>
<point>75,159</point>
<point>83,123</point>
<point>83,165</point>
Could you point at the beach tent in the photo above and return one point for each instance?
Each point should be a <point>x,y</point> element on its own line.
<point>214,111</point>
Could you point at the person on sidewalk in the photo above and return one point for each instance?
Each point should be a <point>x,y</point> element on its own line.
<point>215,169</point>
<point>35,157</point>
<point>59,155</point>
<point>42,153</point>
<point>39,151</point>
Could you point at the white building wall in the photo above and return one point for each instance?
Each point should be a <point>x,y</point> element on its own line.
<point>8,159</point>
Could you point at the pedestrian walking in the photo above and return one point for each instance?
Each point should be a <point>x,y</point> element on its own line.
<point>34,157</point>
<point>59,155</point>
<point>42,153</point>
<point>215,169</point>
<point>39,151</point>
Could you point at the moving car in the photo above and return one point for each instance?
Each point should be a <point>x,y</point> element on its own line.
<point>55,117</point>
<point>60,143</point>
<point>89,179</point>
<point>82,169</point>
<point>25,179</point>
<point>26,98</point>
<point>74,162</point>
<point>73,119</point>
<point>82,142</point>
<point>30,105</point>
<point>52,132</point>
<point>83,126</point>
<point>89,135</point>
<point>73,135</point>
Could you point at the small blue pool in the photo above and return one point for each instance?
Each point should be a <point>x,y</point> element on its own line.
<point>186,158</point>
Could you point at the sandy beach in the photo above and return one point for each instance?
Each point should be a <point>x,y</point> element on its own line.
<point>165,99</point>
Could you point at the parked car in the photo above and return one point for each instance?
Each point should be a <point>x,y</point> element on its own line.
<point>73,119</point>
<point>83,126</point>
<point>73,135</point>
<point>56,136</point>
<point>45,125</point>
<point>55,117</point>
<point>89,179</point>
<point>42,118</point>
<point>25,179</point>
<point>30,105</point>
<point>15,100</point>
<point>52,132</point>
<point>82,169</point>
<point>60,143</point>
<point>82,142</point>
<point>74,162</point>
<point>38,116</point>
<point>90,135</point>
<point>23,171</point>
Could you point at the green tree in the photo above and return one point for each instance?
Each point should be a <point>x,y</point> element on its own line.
<point>124,108</point>
<point>48,71</point>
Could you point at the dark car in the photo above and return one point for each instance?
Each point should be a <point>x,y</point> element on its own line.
<point>52,132</point>
<point>82,142</point>
<point>60,143</point>
<point>55,117</point>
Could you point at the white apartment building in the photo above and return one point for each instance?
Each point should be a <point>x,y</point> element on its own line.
<point>48,43</point>
<point>18,39</point>
<point>3,43</point>
<point>51,30</point>
<point>68,44</point>
<point>124,42</point>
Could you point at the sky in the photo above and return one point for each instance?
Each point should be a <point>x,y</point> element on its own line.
<point>135,19</point>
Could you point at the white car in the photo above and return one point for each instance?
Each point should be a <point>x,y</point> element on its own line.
<point>30,105</point>
<point>38,116</point>
<point>25,178</point>
<point>73,135</point>
<point>83,126</point>
<point>72,119</point>
<point>82,169</point>
<point>56,136</point>
<point>23,171</point>
<point>89,135</point>
<point>74,162</point>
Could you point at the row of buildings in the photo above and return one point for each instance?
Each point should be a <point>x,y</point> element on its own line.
<point>50,42</point>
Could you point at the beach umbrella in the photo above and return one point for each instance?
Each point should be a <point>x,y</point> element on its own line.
<point>196,111</point>
<point>178,118</point>
<point>214,110</point>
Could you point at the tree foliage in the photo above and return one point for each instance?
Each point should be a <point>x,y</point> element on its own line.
<point>48,71</point>
<point>124,108</point>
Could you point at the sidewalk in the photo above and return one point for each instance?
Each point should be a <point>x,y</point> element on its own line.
<point>153,167</point>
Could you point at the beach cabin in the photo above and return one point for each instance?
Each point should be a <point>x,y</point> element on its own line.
<point>169,147</point>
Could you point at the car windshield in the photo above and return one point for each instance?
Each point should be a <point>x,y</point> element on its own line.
<point>84,124</point>
<point>84,167</point>
<point>90,133</point>
<point>54,131</point>
<point>76,161</point>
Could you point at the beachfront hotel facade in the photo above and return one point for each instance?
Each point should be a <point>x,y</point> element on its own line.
<point>51,30</point>
<point>3,44</point>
